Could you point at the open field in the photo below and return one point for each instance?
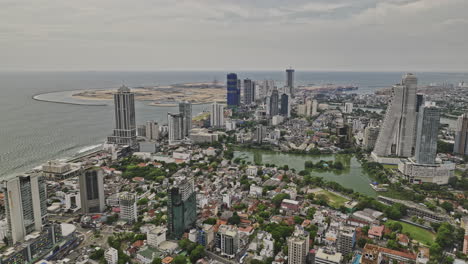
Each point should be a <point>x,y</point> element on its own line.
<point>334,200</point>
<point>420,234</point>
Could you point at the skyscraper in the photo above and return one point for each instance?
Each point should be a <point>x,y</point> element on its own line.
<point>249,91</point>
<point>298,246</point>
<point>185,108</point>
<point>285,107</point>
<point>217,115</point>
<point>92,191</point>
<point>290,80</point>
<point>461,136</point>
<point>125,127</point>
<point>152,130</point>
<point>260,133</point>
<point>181,207</point>
<point>273,105</point>
<point>427,132</point>
<point>346,239</point>
<point>227,240</point>
<point>397,133</point>
<point>233,91</point>
<point>175,127</point>
<point>128,207</point>
<point>370,136</point>
<point>25,205</point>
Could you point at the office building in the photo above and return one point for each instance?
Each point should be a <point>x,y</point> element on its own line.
<point>128,207</point>
<point>461,136</point>
<point>203,135</point>
<point>346,239</point>
<point>111,255</point>
<point>233,91</point>
<point>285,109</point>
<point>298,246</point>
<point>249,92</point>
<point>25,205</point>
<point>231,125</point>
<point>217,115</point>
<point>125,127</point>
<point>397,133</point>
<point>141,130</point>
<point>260,134</point>
<point>348,108</point>
<point>156,236</point>
<point>416,173</point>
<point>273,103</point>
<point>290,80</point>
<point>92,191</point>
<point>328,256</point>
<point>181,207</point>
<point>227,240</point>
<point>175,126</point>
<point>370,137</point>
<point>152,130</point>
<point>427,132</point>
<point>185,108</point>
<point>35,246</point>
<point>205,235</point>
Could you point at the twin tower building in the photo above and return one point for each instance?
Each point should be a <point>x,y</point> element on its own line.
<point>408,135</point>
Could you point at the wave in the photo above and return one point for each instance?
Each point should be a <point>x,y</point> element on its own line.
<point>88,148</point>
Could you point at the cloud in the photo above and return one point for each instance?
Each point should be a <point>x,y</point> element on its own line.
<point>333,34</point>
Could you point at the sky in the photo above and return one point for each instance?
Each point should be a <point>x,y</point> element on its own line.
<point>323,35</point>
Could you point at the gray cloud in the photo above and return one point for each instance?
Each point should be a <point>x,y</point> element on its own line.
<point>230,34</point>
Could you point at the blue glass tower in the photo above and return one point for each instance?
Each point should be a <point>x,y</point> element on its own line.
<point>233,91</point>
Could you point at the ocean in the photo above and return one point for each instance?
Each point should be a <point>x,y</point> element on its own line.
<point>33,132</point>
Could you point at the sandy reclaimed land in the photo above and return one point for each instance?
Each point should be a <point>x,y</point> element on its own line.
<point>197,93</point>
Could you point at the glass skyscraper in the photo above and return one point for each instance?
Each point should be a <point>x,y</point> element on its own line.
<point>233,91</point>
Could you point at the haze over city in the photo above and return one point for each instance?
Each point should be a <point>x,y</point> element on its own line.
<point>358,35</point>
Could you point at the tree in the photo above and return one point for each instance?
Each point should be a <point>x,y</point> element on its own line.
<point>210,221</point>
<point>197,253</point>
<point>180,260</point>
<point>447,206</point>
<point>235,219</point>
<point>279,198</point>
<point>156,261</point>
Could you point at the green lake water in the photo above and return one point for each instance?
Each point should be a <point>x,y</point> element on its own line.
<point>353,176</point>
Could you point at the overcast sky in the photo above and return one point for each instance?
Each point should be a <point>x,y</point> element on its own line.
<point>353,35</point>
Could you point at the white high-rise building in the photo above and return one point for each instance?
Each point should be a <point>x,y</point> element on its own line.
<point>125,126</point>
<point>217,115</point>
<point>156,236</point>
<point>111,255</point>
<point>175,127</point>
<point>348,108</point>
<point>152,130</point>
<point>397,135</point>
<point>461,136</point>
<point>227,240</point>
<point>25,205</point>
<point>314,110</point>
<point>298,246</point>
<point>128,207</point>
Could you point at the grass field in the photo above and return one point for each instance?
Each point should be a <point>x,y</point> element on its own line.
<point>420,234</point>
<point>388,166</point>
<point>333,200</point>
